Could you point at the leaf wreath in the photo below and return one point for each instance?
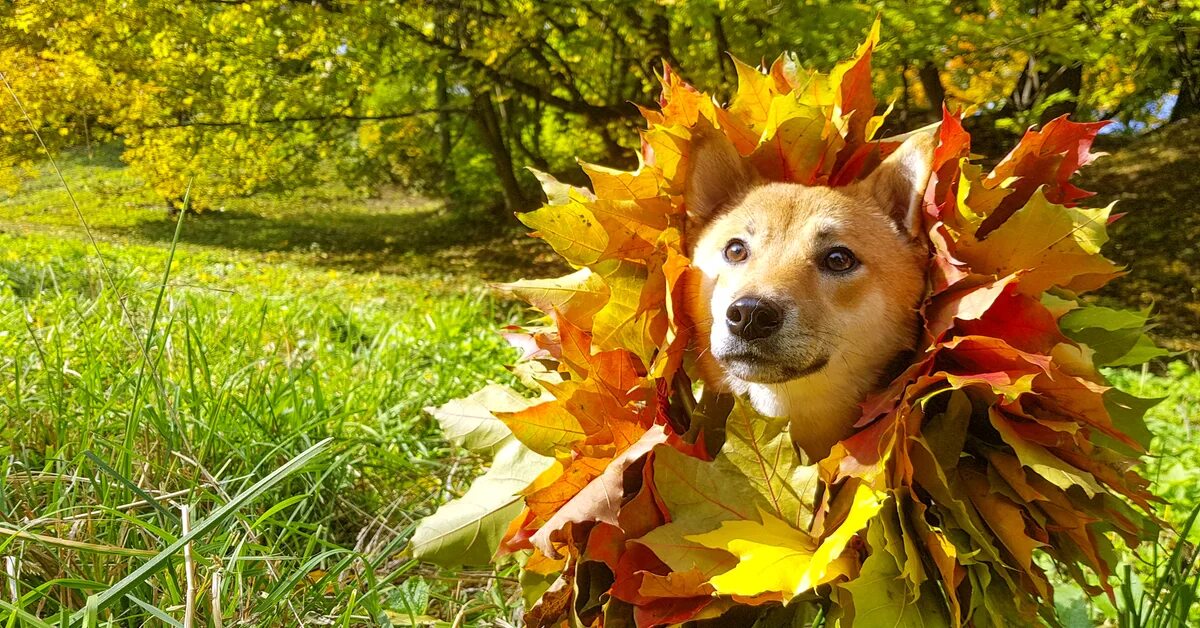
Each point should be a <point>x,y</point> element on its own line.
<point>1000,451</point>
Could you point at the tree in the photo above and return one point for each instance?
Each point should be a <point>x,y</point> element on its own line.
<point>457,97</point>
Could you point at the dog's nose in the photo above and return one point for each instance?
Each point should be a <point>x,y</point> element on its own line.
<point>751,318</point>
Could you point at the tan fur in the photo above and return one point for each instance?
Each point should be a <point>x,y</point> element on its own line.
<point>840,331</point>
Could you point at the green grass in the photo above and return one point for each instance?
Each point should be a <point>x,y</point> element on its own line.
<point>256,355</point>
<point>395,233</point>
<point>1157,585</point>
<point>285,320</point>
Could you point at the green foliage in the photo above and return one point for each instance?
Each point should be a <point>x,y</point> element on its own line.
<point>1176,453</point>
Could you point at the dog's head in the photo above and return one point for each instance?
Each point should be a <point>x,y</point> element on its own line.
<point>789,280</point>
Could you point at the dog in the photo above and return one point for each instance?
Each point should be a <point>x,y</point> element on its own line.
<point>804,299</point>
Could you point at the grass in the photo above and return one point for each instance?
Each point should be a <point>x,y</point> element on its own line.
<point>258,353</point>
<point>285,321</point>
<point>1157,585</point>
<point>395,234</point>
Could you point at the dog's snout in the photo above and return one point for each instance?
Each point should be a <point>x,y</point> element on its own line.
<point>752,318</point>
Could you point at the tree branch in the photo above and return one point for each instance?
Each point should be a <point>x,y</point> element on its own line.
<point>320,118</point>
<point>595,113</point>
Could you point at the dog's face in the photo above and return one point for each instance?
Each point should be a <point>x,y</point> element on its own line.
<point>789,280</point>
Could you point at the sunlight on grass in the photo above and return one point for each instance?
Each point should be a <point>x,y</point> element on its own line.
<point>328,227</point>
<point>252,363</point>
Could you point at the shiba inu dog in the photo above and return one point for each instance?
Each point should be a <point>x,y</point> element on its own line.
<point>805,299</point>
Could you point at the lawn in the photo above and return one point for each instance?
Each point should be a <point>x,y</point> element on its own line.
<point>132,392</point>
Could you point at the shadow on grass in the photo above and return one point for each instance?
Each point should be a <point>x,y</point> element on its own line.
<point>368,236</point>
<point>1154,179</point>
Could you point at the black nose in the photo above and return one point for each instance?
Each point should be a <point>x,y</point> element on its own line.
<point>751,318</point>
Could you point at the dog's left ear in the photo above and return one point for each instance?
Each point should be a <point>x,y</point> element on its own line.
<point>899,182</point>
<point>717,176</point>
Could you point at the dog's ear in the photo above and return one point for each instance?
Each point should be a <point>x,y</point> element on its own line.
<point>898,184</point>
<point>717,175</point>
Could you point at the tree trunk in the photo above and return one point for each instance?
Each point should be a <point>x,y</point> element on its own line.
<point>721,41</point>
<point>490,130</point>
<point>1034,85</point>
<point>931,82</point>
<point>445,141</point>
<point>659,30</point>
<point>1069,78</point>
<point>1187,104</point>
<point>655,27</point>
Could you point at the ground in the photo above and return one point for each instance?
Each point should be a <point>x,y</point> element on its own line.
<point>1155,180</point>
<point>287,319</point>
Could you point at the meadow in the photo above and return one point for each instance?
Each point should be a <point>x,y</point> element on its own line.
<point>131,390</point>
<point>155,368</point>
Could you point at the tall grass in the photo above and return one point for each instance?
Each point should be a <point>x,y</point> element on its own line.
<point>251,364</point>
<point>1166,598</point>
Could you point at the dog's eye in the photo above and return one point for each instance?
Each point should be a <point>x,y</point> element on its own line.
<point>839,260</point>
<point>736,252</point>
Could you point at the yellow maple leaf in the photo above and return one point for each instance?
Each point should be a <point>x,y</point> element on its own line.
<point>774,557</point>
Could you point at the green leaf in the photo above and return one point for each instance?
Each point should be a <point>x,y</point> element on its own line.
<point>880,594</point>
<point>22,534</point>
<point>27,618</point>
<point>1142,351</point>
<point>1117,336</point>
<point>757,470</point>
<point>1128,416</point>
<point>1101,317</point>
<point>761,449</point>
<point>157,612</point>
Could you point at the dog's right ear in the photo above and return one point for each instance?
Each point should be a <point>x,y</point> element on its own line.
<point>717,175</point>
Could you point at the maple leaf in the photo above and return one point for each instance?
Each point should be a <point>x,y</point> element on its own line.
<point>576,297</point>
<point>1045,157</point>
<point>1053,244</point>
<point>546,428</point>
<point>571,229</point>
<point>774,557</point>
<point>880,595</point>
<point>471,422</point>
<point>601,499</point>
<point>1116,337</point>
<point>798,142</point>
<point>761,449</point>
<point>756,467</point>
<point>752,102</point>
